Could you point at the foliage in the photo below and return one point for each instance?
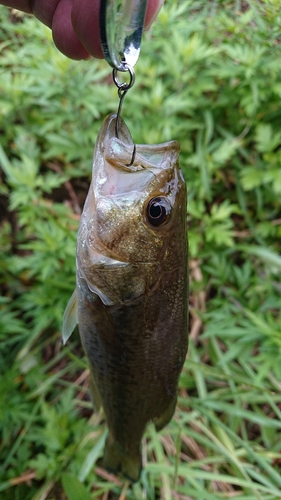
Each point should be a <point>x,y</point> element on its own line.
<point>209,76</point>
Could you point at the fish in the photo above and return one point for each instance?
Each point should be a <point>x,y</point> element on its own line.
<point>131,296</point>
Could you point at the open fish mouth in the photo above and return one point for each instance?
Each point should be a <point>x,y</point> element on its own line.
<point>124,167</point>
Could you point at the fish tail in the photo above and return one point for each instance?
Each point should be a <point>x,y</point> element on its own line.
<point>116,460</point>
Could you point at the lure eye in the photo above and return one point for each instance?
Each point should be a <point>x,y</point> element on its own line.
<point>158,211</point>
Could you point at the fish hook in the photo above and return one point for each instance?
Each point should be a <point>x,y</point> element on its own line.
<point>133,157</point>
<point>122,90</point>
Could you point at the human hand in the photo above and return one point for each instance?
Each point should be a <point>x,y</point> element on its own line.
<point>74,23</point>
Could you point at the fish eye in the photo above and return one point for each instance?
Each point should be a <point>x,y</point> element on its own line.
<point>158,211</point>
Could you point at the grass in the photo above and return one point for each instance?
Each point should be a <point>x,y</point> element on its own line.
<point>209,76</point>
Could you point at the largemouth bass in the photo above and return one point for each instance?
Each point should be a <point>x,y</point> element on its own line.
<point>132,288</point>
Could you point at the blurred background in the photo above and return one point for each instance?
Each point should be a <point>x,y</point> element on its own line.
<point>209,75</point>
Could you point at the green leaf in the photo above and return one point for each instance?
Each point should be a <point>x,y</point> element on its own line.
<point>264,254</point>
<point>74,489</point>
<point>92,457</point>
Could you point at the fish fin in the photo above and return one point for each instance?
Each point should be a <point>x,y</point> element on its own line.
<point>164,419</point>
<point>95,395</point>
<point>116,460</point>
<point>70,318</point>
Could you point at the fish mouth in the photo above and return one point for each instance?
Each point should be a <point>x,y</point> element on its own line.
<point>120,166</point>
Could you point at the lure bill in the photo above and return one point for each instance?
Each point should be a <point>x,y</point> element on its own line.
<point>131,295</point>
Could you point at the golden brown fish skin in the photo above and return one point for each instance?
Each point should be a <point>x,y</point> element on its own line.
<point>136,345</point>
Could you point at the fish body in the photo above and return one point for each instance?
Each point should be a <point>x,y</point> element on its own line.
<point>132,288</point>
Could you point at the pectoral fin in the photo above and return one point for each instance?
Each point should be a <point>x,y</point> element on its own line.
<point>70,318</point>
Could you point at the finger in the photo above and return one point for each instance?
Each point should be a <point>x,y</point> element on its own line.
<point>44,10</point>
<point>85,21</point>
<point>64,35</point>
